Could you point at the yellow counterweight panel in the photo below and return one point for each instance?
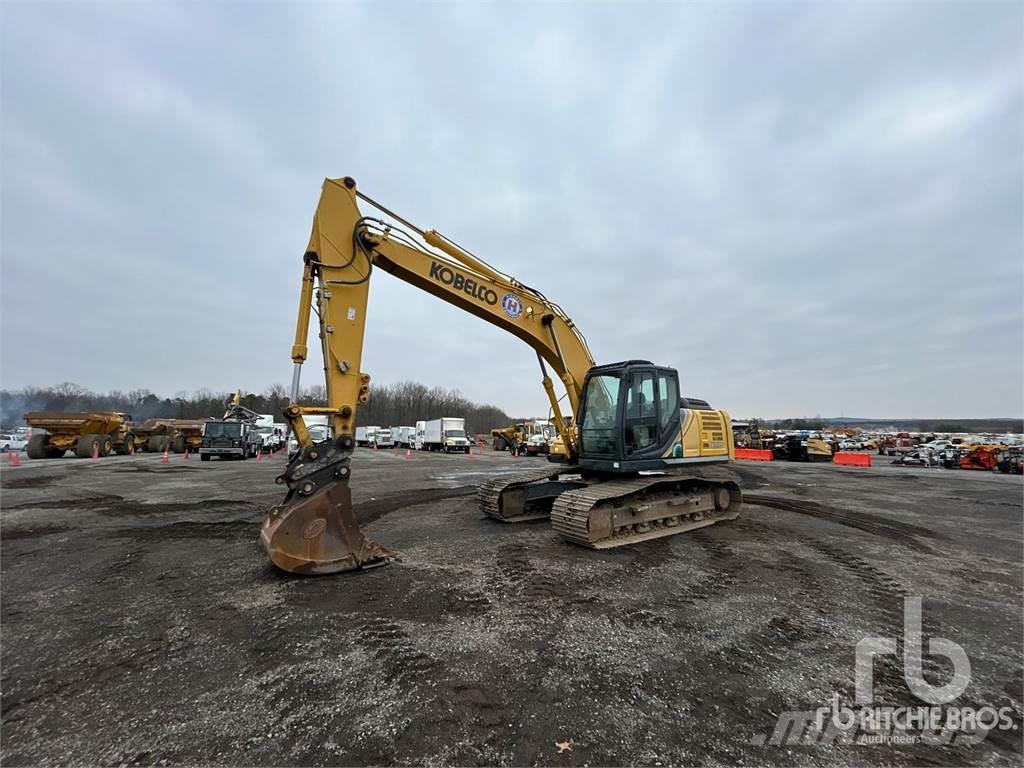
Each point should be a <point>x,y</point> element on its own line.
<point>704,433</point>
<point>714,425</point>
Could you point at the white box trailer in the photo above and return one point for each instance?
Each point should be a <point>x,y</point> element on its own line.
<point>371,437</point>
<point>447,434</point>
<point>403,437</point>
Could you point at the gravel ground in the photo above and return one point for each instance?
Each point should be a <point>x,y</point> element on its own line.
<point>142,623</point>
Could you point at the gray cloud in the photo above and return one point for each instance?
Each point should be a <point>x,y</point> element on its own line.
<point>807,209</point>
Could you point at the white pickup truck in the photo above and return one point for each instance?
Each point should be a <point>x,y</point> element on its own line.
<point>12,442</point>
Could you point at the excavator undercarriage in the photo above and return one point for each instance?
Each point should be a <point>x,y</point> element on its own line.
<point>602,513</point>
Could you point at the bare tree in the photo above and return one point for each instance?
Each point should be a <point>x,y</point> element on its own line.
<point>401,404</point>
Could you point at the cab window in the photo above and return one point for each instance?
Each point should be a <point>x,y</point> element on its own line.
<point>598,431</point>
<point>668,400</point>
<point>641,412</point>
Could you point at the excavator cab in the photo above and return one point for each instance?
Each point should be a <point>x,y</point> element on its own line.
<point>633,418</point>
<point>629,417</point>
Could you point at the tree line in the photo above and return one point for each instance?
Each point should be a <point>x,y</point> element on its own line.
<point>401,404</point>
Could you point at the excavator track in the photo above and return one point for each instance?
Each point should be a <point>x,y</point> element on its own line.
<point>523,496</point>
<point>619,512</point>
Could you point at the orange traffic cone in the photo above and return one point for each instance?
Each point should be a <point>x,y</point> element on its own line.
<point>15,459</point>
<point>408,453</point>
<point>471,453</point>
<point>186,454</point>
<point>259,455</point>
<point>95,451</point>
<point>166,459</point>
<point>131,448</point>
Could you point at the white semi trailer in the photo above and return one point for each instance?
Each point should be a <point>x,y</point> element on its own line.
<point>447,434</point>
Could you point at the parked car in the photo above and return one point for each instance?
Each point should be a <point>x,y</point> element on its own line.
<point>12,442</point>
<point>851,444</point>
<point>917,459</point>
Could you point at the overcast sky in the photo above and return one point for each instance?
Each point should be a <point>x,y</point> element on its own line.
<point>806,209</point>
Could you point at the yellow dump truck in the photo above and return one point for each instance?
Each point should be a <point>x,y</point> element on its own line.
<point>89,433</point>
<point>176,435</point>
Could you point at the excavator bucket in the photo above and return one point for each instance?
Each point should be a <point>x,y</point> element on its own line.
<point>314,530</point>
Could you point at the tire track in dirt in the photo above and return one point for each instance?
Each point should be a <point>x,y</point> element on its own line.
<point>721,571</point>
<point>894,530</point>
<point>391,646</point>
<point>888,598</point>
<point>38,481</point>
<point>368,511</point>
<point>515,582</point>
<point>14,534</point>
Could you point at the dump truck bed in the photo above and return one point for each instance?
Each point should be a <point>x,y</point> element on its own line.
<point>75,422</point>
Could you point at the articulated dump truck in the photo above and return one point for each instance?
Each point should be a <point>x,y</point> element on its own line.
<point>92,433</point>
<point>175,435</point>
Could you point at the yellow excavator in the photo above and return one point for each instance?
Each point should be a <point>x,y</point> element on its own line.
<point>641,463</point>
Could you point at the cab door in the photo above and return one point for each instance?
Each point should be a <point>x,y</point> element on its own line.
<point>641,428</point>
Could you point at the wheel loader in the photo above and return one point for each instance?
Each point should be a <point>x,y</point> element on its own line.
<point>528,438</point>
<point>88,434</point>
<point>641,462</point>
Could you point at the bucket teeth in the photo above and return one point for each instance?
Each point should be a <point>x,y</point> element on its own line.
<point>314,531</point>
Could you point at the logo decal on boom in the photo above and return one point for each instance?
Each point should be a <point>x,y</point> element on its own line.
<point>460,282</point>
<point>512,305</point>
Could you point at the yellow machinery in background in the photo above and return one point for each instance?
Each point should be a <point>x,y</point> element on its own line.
<point>90,433</point>
<point>529,438</point>
<point>642,464</point>
<point>175,435</point>
<point>802,448</point>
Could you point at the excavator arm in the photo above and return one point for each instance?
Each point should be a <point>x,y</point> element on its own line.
<point>314,529</point>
